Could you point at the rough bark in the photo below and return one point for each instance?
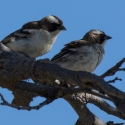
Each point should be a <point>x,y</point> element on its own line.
<point>15,67</point>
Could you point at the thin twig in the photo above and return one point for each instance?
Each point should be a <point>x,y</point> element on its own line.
<point>37,107</point>
<point>112,123</point>
<point>114,69</point>
<point>113,81</point>
<point>121,69</point>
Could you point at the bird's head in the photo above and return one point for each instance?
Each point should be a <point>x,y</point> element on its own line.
<point>96,36</point>
<point>52,23</point>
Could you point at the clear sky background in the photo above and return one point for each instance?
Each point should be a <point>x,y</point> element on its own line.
<point>79,16</point>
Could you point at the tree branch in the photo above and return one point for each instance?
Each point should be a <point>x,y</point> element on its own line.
<point>103,105</point>
<point>112,123</point>
<point>15,67</point>
<point>113,81</point>
<point>119,103</point>
<point>85,116</point>
<point>44,69</point>
<point>48,91</point>
<point>46,102</point>
<point>12,63</point>
<point>114,69</point>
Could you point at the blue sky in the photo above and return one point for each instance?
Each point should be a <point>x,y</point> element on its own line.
<point>78,17</point>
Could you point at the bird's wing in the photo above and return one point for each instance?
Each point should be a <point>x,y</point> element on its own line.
<point>32,25</point>
<point>16,36</point>
<point>70,49</point>
<point>24,32</point>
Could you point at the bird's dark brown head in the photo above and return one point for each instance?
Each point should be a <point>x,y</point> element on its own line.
<point>51,23</point>
<point>96,36</point>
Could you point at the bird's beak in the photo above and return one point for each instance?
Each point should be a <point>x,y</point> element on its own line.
<point>61,27</point>
<point>108,37</point>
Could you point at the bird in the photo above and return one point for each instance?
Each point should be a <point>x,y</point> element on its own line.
<point>35,38</point>
<point>84,54</point>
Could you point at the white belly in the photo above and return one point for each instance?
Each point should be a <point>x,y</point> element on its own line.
<point>37,45</point>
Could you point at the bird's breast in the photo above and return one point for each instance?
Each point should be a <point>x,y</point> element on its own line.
<point>86,58</point>
<point>41,44</point>
<point>38,44</point>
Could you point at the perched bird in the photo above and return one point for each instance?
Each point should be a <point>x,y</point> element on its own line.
<point>84,54</point>
<point>35,38</point>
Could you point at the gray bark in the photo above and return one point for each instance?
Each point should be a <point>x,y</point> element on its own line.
<point>15,67</point>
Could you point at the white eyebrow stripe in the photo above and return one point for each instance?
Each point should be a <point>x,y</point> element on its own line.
<point>97,32</point>
<point>52,19</point>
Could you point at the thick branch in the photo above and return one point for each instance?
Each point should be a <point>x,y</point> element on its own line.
<point>103,105</point>
<point>119,103</point>
<point>48,91</point>
<point>85,116</point>
<point>45,69</point>
<point>15,67</point>
<point>43,90</point>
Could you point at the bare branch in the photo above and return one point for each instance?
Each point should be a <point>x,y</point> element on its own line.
<point>119,103</point>
<point>121,69</point>
<point>16,67</point>
<point>40,70</point>
<point>43,90</point>
<point>114,69</point>
<point>78,78</point>
<point>48,91</point>
<point>77,90</point>
<point>113,81</point>
<point>112,123</point>
<point>86,117</point>
<point>78,102</point>
<point>37,107</point>
<point>103,105</point>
